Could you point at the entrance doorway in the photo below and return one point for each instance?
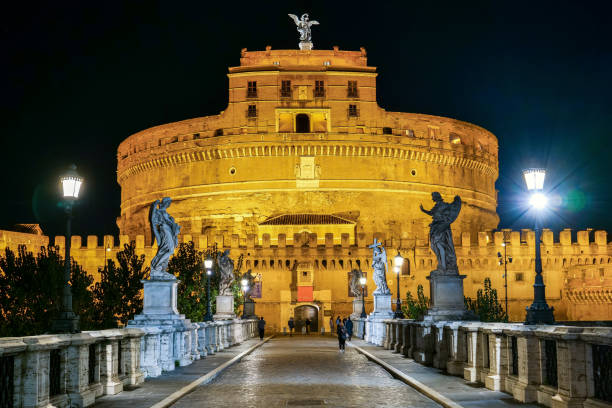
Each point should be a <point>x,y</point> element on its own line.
<point>302,123</point>
<point>301,313</point>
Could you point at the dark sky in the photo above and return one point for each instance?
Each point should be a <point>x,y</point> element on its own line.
<point>79,77</point>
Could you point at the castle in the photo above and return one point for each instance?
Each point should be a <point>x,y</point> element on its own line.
<point>303,170</point>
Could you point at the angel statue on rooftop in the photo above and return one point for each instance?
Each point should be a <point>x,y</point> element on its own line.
<point>379,264</point>
<point>440,235</point>
<point>165,231</point>
<point>303,26</point>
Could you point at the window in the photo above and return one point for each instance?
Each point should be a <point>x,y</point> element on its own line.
<point>406,267</point>
<point>252,89</point>
<point>219,132</point>
<point>387,131</point>
<point>302,123</point>
<point>518,277</point>
<point>353,111</point>
<point>319,91</point>
<point>252,112</point>
<point>352,89</point>
<point>286,89</point>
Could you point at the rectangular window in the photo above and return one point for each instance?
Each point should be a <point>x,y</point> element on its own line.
<point>252,112</point>
<point>252,89</point>
<point>352,89</point>
<point>518,277</point>
<point>319,91</point>
<point>353,111</point>
<point>286,89</point>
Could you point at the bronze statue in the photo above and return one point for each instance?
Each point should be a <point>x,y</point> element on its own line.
<point>440,235</point>
<point>303,26</point>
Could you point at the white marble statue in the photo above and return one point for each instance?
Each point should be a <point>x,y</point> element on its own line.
<point>379,264</point>
<point>165,231</point>
<point>440,235</point>
<point>303,26</point>
<point>226,269</point>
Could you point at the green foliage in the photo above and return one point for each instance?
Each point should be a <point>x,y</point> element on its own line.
<point>118,295</point>
<point>186,265</point>
<point>486,306</point>
<point>31,291</point>
<point>415,308</point>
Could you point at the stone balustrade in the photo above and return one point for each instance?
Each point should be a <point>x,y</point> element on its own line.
<point>557,366</point>
<point>72,370</point>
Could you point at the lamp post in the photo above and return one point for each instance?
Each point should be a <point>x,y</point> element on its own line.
<point>245,287</point>
<point>67,321</point>
<point>398,261</point>
<point>208,264</point>
<point>362,281</point>
<point>539,312</point>
<point>505,260</point>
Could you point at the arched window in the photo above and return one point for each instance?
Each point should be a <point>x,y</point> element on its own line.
<point>302,123</point>
<point>406,267</point>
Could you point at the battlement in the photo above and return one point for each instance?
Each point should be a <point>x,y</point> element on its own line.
<point>585,240</point>
<point>283,59</point>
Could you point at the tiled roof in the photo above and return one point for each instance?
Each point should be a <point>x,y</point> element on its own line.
<point>305,219</point>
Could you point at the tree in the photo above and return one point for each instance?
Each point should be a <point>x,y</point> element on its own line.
<point>486,306</point>
<point>186,265</point>
<point>416,308</point>
<point>118,295</point>
<point>31,291</point>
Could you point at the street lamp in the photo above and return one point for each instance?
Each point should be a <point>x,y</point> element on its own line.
<point>539,312</point>
<point>67,321</point>
<point>208,264</point>
<point>505,260</point>
<point>245,287</point>
<point>398,261</point>
<point>362,281</point>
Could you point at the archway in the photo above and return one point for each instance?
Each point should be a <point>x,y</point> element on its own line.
<point>301,313</point>
<point>302,123</point>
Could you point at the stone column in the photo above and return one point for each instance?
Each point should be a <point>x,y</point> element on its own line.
<point>399,336</point>
<point>471,369</point>
<point>498,359</point>
<point>132,342</point>
<point>571,364</point>
<point>457,343</point>
<point>80,392</point>
<point>109,362</point>
<point>524,388</point>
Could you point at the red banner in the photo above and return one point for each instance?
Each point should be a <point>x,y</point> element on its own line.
<point>304,294</point>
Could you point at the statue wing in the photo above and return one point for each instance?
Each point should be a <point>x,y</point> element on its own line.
<point>295,18</point>
<point>153,219</point>
<point>454,208</point>
<point>313,22</point>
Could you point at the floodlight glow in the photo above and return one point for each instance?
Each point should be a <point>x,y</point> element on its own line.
<point>362,280</point>
<point>71,183</point>
<point>538,200</point>
<point>244,282</point>
<point>398,260</point>
<point>396,269</point>
<point>534,178</point>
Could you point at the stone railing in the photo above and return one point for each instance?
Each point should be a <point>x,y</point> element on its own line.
<point>72,370</point>
<point>557,366</point>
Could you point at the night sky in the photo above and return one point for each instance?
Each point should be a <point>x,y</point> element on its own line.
<point>79,77</point>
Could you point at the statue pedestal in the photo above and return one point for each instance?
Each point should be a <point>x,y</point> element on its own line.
<point>249,310</point>
<point>446,293</point>
<point>305,45</point>
<point>382,307</point>
<point>225,307</point>
<point>357,308</point>
<point>160,312</point>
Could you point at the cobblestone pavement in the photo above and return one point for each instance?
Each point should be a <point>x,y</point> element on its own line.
<point>154,390</point>
<point>304,371</point>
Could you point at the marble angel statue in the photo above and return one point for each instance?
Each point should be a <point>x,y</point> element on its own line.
<point>165,231</point>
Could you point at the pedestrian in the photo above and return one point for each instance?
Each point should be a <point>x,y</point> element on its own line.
<point>261,325</point>
<point>338,321</point>
<point>331,325</point>
<point>291,325</point>
<point>341,330</point>
<point>349,328</point>
<point>307,326</point>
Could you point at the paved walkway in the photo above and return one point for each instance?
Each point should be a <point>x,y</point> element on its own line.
<point>454,388</point>
<point>304,371</point>
<point>156,389</point>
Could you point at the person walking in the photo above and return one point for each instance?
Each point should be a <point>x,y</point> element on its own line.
<point>349,328</point>
<point>331,325</point>
<point>341,331</point>
<point>261,325</point>
<point>291,325</point>
<point>338,320</point>
<point>307,326</point>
